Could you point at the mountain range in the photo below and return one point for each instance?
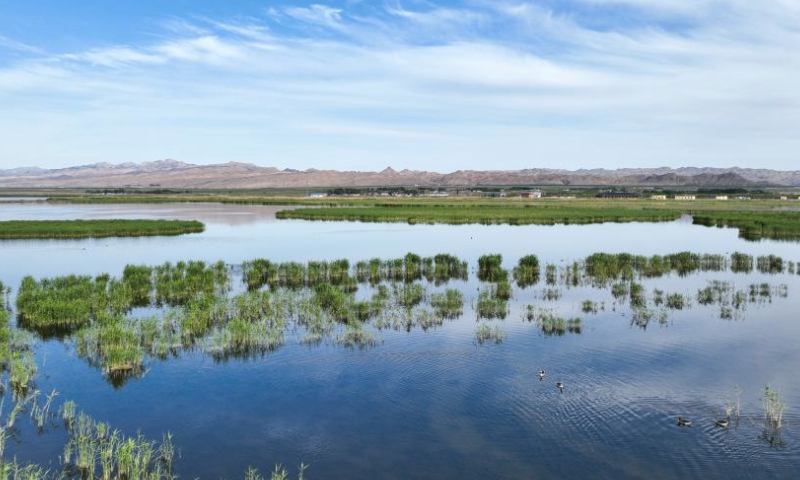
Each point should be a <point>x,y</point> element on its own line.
<point>177,174</point>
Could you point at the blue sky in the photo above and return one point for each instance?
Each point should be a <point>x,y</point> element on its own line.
<point>434,85</point>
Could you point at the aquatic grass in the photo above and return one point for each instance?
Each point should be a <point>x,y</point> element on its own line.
<point>356,336</point>
<point>57,304</point>
<point>783,225</point>
<point>502,290</point>
<point>770,264</point>
<point>551,294</point>
<point>12,470</point>
<point>550,274</point>
<point>551,324</point>
<point>97,451</point>
<point>489,305</point>
<point>637,295</point>
<point>449,304</point>
<point>241,339</point>
<point>176,284</point>
<point>642,316</point>
<point>490,268</point>
<point>741,262</point>
<point>22,370</point>
<point>513,214</point>
<point>41,413</point>
<point>42,229</point>
<point>676,301</point>
<point>603,268</point>
<point>774,408</point>
<point>139,279</point>
<point>589,306</point>
<point>526,273</point>
<point>485,333</point>
<point>408,294</point>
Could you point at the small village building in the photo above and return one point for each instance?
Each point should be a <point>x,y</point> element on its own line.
<point>685,197</point>
<point>721,197</point>
<point>535,194</point>
<point>658,197</point>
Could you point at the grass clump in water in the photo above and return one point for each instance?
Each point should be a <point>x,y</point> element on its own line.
<point>485,333</point>
<point>741,263</point>
<point>489,305</point>
<point>176,284</point>
<point>770,264</point>
<point>449,304</point>
<point>526,273</point>
<point>490,268</point>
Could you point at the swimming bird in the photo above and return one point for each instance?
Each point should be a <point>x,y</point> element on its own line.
<point>722,423</point>
<point>542,373</point>
<point>560,385</point>
<point>684,422</point>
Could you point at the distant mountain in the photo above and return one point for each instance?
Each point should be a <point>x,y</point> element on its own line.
<point>176,174</point>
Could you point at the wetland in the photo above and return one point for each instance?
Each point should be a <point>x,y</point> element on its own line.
<point>340,349</point>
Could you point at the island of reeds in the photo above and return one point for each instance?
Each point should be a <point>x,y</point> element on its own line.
<point>65,229</point>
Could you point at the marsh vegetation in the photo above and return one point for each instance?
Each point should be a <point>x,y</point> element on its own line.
<point>33,229</point>
<point>123,326</point>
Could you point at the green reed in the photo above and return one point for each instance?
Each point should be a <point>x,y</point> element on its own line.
<point>526,273</point>
<point>485,333</point>
<point>489,305</point>
<point>449,304</point>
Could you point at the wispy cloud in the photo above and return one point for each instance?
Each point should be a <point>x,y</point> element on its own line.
<point>513,83</point>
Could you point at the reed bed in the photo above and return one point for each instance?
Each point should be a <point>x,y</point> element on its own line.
<point>36,229</point>
<point>178,283</point>
<point>784,225</point>
<point>526,273</point>
<point>440,269</point>
<point>604,267</point>
<point>512,214</point>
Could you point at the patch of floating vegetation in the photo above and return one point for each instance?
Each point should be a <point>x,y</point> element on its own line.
<point>43,229</point>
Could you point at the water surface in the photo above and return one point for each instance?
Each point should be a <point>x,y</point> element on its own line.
<point>435,404</point>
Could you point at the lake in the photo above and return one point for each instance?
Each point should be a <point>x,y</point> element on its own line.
<point>436,403</point>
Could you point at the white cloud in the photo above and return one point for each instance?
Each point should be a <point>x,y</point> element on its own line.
<point>513,84</point>
<point>316,14</point>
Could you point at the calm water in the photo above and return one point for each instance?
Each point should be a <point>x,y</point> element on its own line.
<point>434,404</point>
